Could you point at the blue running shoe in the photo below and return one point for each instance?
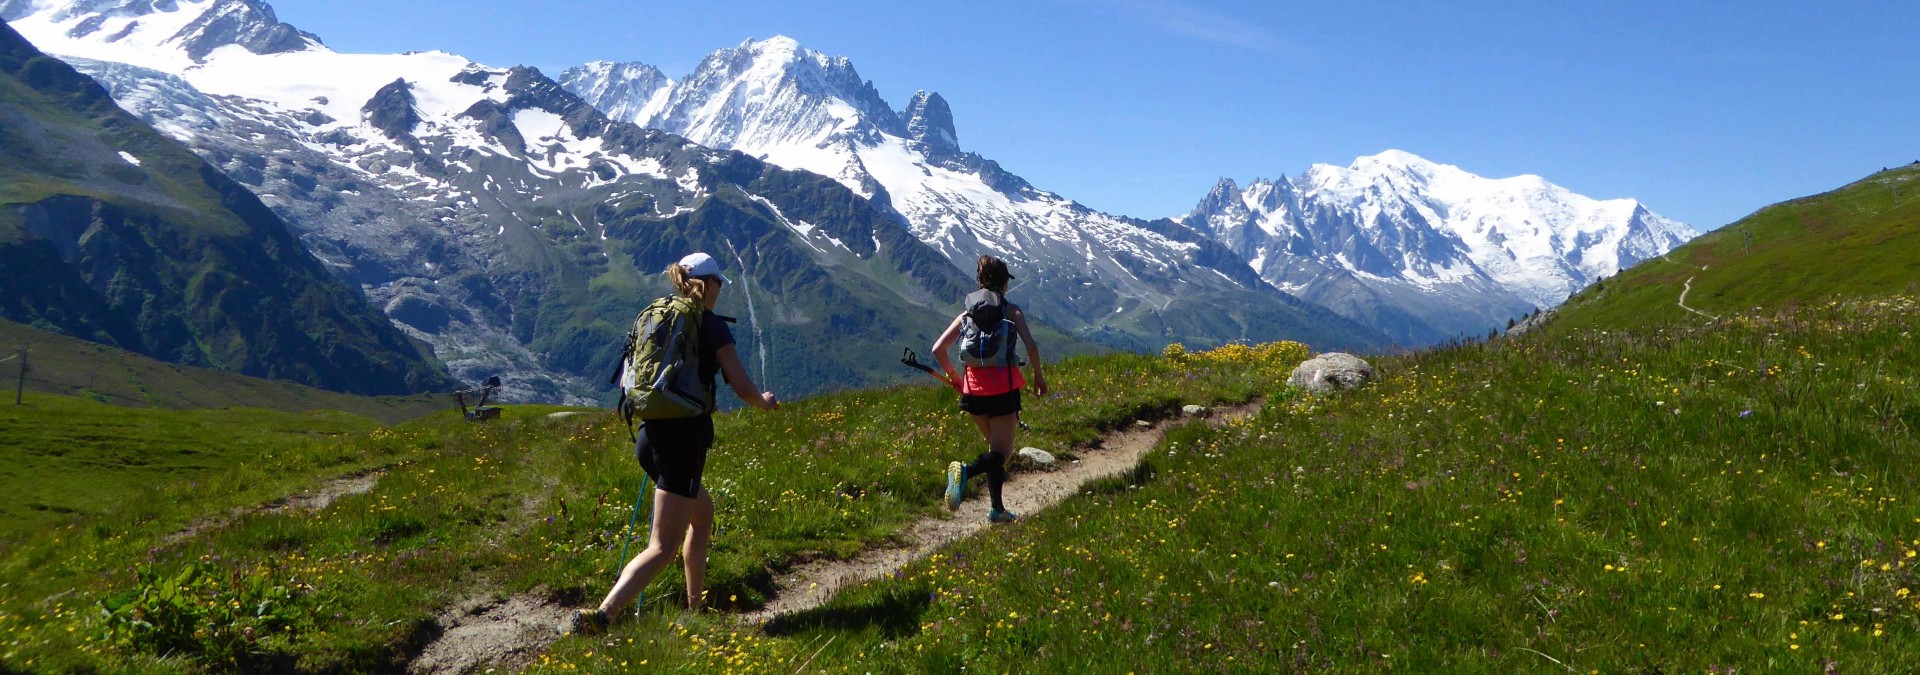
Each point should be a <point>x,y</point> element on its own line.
<point>956,484</point>
<point>1001,516</point>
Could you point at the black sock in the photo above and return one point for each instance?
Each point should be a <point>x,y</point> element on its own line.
<point>995,479</point>
<point>994,467</point>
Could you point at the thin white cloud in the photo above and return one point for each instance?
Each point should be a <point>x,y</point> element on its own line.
<point>1204,24</point>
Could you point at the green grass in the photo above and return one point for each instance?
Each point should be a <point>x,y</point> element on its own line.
<point>66,458</point>
<point>74,367</point>
<point>1648,501</point>
<point>1856,241</point>
<point>1490,507</point>
<point>527,503</point>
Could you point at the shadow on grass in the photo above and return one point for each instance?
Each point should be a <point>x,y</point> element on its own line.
<point>1131,479</point>
<point>895,613</point>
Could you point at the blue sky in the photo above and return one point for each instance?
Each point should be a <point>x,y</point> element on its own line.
<point>1137,106</point>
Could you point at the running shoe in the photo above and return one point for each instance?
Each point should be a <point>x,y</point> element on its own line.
<point>1002,516</point>
<point>588,622</point>
<point>956,484</point>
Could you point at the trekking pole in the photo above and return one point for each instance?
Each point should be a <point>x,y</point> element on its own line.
<point>911,360</point>
<point>626,537</point>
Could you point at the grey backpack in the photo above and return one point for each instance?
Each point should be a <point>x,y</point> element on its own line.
<point>987,336</point>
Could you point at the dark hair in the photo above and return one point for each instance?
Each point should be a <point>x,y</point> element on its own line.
<point>993,274</point>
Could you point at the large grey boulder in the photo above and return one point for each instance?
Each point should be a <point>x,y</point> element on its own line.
<point>1331,372</point>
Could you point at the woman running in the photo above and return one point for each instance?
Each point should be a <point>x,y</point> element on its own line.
<point>673,452</point>
<point>990,390</point>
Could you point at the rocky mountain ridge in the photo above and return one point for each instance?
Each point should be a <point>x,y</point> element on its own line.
<point>1121,281</point>
<point>1373,241</point>
<point>112,232</point>
<point>517,229</point>
<point>1453,252</point>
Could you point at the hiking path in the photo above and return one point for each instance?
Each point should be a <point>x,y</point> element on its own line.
<point>511,632</point>
<point>1027,492</point>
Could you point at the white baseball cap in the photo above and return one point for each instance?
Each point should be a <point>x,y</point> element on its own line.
<point>703,265</point>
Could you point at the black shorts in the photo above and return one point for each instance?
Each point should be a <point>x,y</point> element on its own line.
<point>997,405</point>
<point>673,452</point>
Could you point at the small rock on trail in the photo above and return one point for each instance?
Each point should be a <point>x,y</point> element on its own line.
<point>1037,456</point>
<point>1194,410</point>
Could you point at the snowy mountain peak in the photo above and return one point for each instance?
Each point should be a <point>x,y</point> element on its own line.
<point>930,121</point>
<point>1396,158</point>
<point>1404,226</point>
<point>126,30</point>
<point>624,91</point>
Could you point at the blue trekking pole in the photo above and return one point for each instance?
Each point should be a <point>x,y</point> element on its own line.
<point>627,537</point>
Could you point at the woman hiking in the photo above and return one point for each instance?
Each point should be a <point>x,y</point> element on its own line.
<point>673,452</point>
<point>990,390</point>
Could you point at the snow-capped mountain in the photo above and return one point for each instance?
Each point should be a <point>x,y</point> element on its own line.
<point>1424,250</point>
<point>1117,280</point>
<point>494,214</point>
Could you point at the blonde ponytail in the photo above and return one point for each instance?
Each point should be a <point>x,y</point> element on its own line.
<point>686,284</point>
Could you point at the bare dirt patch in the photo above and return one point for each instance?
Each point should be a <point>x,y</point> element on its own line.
<point>492,633</point>
<point>1027,492</point>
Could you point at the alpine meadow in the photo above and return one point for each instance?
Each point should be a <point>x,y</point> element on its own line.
<point>306,358</point>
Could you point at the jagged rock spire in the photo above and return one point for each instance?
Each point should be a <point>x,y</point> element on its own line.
<point>930,121</point>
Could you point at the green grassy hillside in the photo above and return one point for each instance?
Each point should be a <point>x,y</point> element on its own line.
<point>530,502</point>
<point>1727,499</point>
<point>1862,239</point>
<point>67,457</point>
<point>99,373</point>
<point>1663,499</point>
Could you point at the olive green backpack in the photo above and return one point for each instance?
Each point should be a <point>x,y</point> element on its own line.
<point>659,376</point>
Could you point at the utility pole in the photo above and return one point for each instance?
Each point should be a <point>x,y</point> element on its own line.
<point>20,385</point>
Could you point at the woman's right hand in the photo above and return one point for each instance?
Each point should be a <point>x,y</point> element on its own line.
<point>772,402</point>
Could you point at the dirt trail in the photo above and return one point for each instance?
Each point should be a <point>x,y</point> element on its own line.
<point>356,484</point>
<point>1688,288</point>
<point>485,634</point>
<point>1028,492</point>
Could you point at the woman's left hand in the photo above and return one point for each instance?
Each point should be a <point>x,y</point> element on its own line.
<point>1039,385</point>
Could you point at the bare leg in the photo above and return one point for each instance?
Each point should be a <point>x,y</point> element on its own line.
<point>671,514</point>
<point>1000,442</point>
<point>694,556</point>
<point>1000,434</point>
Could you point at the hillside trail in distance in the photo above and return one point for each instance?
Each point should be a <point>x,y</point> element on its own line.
<point>313,500</point>
<point>1686,288</point>
<point>1028,492</point>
